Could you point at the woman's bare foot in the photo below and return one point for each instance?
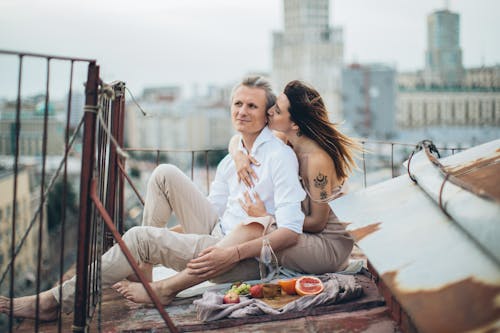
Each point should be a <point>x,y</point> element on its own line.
<point>25,307</point>
<point>135,292</point>
<point>146,269</point>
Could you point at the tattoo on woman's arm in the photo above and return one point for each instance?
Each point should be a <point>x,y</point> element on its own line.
<point>323,195</point>
<point>321,181</point>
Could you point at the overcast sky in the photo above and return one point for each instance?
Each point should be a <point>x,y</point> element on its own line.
<point>188,42</point>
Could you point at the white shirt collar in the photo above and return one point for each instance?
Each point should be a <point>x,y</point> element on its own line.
<point>265,135</point>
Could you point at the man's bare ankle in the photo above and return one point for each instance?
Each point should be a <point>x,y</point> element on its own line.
<point>163,291</point>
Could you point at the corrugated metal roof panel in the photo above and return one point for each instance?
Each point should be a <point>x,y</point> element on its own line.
<point>436,269</point>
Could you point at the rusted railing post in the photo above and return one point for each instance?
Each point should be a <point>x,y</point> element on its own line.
<point>121,180</point>
<point>113,172</point>
<point>88,160</point>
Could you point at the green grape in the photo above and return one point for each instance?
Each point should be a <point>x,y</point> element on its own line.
<point>242,288</point>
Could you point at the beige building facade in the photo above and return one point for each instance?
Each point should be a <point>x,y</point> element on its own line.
<point>448,108</point>
<point>26,260</point>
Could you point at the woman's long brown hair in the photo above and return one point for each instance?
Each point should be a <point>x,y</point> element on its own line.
<point>308,111</point>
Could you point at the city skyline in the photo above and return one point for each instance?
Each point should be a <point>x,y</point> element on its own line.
<point>159,43</point>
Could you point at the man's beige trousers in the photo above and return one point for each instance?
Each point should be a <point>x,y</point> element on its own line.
<point>169,190</point>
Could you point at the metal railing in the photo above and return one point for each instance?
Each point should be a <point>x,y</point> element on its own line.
<point>101,192</point>
<point>389,158</point>
<point>16,241</point>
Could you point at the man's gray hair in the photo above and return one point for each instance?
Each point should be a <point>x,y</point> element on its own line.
<point>261,83</point>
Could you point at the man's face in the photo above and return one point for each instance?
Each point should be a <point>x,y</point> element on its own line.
<point>248,110</point>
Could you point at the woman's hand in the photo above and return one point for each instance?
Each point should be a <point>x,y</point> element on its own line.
<point>255,209</point>
<point>213,261</point>
<point>244,169</point>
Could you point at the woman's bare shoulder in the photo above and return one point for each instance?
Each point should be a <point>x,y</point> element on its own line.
<point>320,160</point>
<point>320,167</point>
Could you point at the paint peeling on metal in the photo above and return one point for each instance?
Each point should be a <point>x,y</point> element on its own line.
<point>360,233</point>
<point>480,173</point>
<point>436,268</point>
<point>455,307</point>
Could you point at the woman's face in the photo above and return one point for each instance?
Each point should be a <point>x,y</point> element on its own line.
<point>278,115</point>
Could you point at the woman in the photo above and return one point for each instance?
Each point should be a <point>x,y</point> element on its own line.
<point>326,158</point>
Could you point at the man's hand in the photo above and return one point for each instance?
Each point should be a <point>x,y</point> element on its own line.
<point>213,261</point>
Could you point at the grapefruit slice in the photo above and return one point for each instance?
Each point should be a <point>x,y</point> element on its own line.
<point>308,285</point>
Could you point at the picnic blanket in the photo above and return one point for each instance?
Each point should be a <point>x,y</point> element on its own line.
<point>338,288</point>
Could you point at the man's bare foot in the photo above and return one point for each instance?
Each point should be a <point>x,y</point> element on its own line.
<point>25,307</point>
<point>146,269</point>
<point>135,292</point>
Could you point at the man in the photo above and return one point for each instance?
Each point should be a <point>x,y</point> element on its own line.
<point>205,248</point>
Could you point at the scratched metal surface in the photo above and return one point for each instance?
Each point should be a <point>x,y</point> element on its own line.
<point>439,272</point>
<point>479,167</point>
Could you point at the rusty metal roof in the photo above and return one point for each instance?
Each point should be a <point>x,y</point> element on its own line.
<point>442,265</point>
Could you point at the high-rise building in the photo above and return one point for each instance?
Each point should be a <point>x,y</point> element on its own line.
<point>309,49</point>
<point>443,57</point>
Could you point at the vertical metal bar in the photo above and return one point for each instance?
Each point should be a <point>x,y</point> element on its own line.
<point>121,180</point>
<point>98,240</point>
<point>207,171</point>
<point>157,157</point>
<point>192,165</point>
<point>14,204</point>
<point>101,172</point>
<point>93,215</point>
<point>65,184</point>
<point>42,198</point>
<point>364,164</point>
<point>112,168</point>
<point>392,159</point>
<point>88,160</point>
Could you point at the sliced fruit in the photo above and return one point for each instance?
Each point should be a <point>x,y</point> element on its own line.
<point>288,286</point>
<point>308,285</point>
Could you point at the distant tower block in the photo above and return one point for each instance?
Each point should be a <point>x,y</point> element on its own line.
<point>443,57</point>
<point>310,50</point>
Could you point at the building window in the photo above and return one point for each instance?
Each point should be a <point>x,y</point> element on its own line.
<point>325,36</point>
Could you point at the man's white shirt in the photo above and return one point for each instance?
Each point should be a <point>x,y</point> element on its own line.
<point>278,185</point>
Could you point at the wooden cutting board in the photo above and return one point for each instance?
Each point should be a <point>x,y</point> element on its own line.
<point>279,301</point>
